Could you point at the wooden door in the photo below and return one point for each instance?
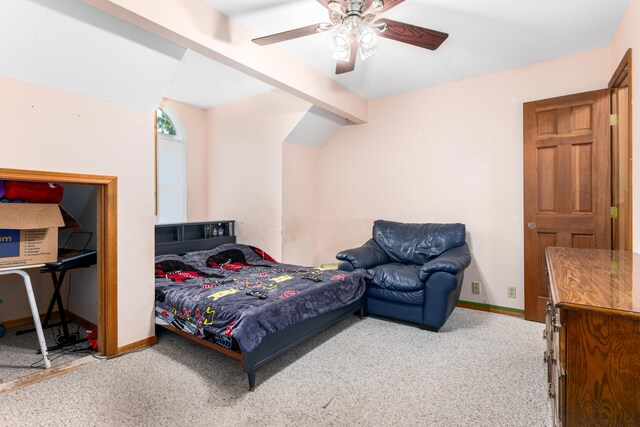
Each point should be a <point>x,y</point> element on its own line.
<point>621,172</point>
<point>567,187</point>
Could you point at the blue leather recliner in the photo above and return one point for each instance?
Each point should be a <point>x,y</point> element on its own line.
<point>417,270</point>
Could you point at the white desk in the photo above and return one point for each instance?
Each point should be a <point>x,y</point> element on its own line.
<point>19,270</point>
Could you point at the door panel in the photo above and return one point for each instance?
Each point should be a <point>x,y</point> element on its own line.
<point>581,177</point>
<point>566,183</point>
<point>583,241</point>
<point>547,201</point>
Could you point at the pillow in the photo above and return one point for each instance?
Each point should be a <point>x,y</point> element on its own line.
<point>34,192</point>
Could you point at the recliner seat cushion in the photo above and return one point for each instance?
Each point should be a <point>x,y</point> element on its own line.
<point>413,297</point>
<point>416,243</point>
<point>397,277</point>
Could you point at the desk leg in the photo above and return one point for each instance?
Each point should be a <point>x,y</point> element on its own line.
<point>34,313</point>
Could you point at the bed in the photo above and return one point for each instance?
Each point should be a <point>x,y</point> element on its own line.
<point>235,299</point>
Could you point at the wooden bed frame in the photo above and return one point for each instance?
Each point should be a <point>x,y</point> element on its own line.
<point>272,345</point>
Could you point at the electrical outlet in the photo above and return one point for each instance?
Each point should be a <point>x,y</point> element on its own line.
<point>475,287</point>
<point>511,291</point>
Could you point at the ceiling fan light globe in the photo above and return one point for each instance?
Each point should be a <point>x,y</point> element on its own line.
<point>367,52</point>
<point>366,36</point>
<point>342,54</point>
<point>342,39</point>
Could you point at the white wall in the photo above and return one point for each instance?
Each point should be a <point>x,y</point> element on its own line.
<point>300,204</point>
<point>244,165</point>
<point>51,130</point>
<point>450,153</point>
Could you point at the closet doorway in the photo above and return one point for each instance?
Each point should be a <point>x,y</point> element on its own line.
<point>106,245</point>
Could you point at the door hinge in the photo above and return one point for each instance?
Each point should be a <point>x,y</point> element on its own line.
<point>614,212</point>
<point>613,119</point>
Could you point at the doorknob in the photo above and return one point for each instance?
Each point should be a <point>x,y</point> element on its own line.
<point>531,225</point>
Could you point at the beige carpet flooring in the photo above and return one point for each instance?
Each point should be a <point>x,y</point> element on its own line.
<point>481,369</point>
<point>18,354</point>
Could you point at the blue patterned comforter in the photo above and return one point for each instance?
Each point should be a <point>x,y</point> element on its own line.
<point>234,296</point>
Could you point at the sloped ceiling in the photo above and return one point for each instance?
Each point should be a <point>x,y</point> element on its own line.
<point>69,45</point>
<point>315,129</point>
<point>204,83</point>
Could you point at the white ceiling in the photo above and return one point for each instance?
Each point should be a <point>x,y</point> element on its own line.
<point>484,36</point>
<point>71,46</point>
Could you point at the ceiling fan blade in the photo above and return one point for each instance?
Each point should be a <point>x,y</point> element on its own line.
<point>346,66</point>
<point>412,34</point>
<point>292,34</point>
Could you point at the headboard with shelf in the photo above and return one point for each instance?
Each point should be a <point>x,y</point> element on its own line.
<point>193,236</point>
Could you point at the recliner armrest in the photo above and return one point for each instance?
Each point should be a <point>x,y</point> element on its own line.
<point>345,266</point>
<point>452,261</point>
<point>366,256</point>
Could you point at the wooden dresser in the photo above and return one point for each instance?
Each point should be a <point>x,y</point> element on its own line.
<point>593,336</point>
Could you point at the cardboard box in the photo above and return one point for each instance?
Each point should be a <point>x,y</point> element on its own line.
<point>29,233</point>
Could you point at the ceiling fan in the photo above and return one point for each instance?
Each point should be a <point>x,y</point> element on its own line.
<point>356,31</point>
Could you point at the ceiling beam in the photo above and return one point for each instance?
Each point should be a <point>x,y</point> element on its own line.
<point>196,26</point>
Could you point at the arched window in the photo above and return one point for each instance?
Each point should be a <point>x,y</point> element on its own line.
<point>164,124</point>
<point>172,167</point>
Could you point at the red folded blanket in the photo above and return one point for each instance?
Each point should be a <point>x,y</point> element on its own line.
<point>33,192</point>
